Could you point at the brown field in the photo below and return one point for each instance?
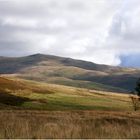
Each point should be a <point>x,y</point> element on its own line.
<point>31,109</point>
<point>69,124</point>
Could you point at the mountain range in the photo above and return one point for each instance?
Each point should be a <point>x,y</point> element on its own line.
<point>70,72</point>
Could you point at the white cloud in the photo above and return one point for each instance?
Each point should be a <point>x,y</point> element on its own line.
<point>95,30</point>
<point>19,22</point>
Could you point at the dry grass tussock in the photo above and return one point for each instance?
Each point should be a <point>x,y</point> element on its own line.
<point>69,124</point>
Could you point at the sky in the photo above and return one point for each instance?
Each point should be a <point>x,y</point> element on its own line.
<point>101,31</point>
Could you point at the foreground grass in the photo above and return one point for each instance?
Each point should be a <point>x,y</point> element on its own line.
<point>69,124</point>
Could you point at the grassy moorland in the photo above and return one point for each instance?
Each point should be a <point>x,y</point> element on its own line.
<point>38,110</point>
<point>70,72</point>
<point>23,94</point>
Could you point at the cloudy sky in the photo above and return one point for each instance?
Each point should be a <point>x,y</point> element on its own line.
<point>101,31</point>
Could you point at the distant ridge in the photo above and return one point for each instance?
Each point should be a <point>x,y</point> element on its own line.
<point>71,72</point>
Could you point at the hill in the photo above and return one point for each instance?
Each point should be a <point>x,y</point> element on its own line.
<point>71,72</point>
<point>25,94</point>
<point>31,109</point>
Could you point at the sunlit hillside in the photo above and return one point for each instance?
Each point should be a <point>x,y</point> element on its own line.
<point>31,109</point>
<point>17,93</point>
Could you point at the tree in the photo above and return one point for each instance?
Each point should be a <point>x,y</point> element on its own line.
<point>138,87</point>
<point>135,102</point>
<point>136,98</point>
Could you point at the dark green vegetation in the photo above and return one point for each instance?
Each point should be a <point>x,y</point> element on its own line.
<point>138,87</point>
<point>66,71</point>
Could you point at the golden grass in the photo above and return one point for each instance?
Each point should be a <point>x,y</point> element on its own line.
<point>25,123</point>
<point>55,97</point>
<point>69,124</point>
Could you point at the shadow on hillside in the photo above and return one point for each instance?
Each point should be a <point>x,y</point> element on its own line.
<point>13,100</point>
<point>7,65</point>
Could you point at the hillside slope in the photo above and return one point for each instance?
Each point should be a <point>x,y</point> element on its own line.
<point>24,94</point>
<point>67,71</point>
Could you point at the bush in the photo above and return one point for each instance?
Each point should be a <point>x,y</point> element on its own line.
<point>138,87</point>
